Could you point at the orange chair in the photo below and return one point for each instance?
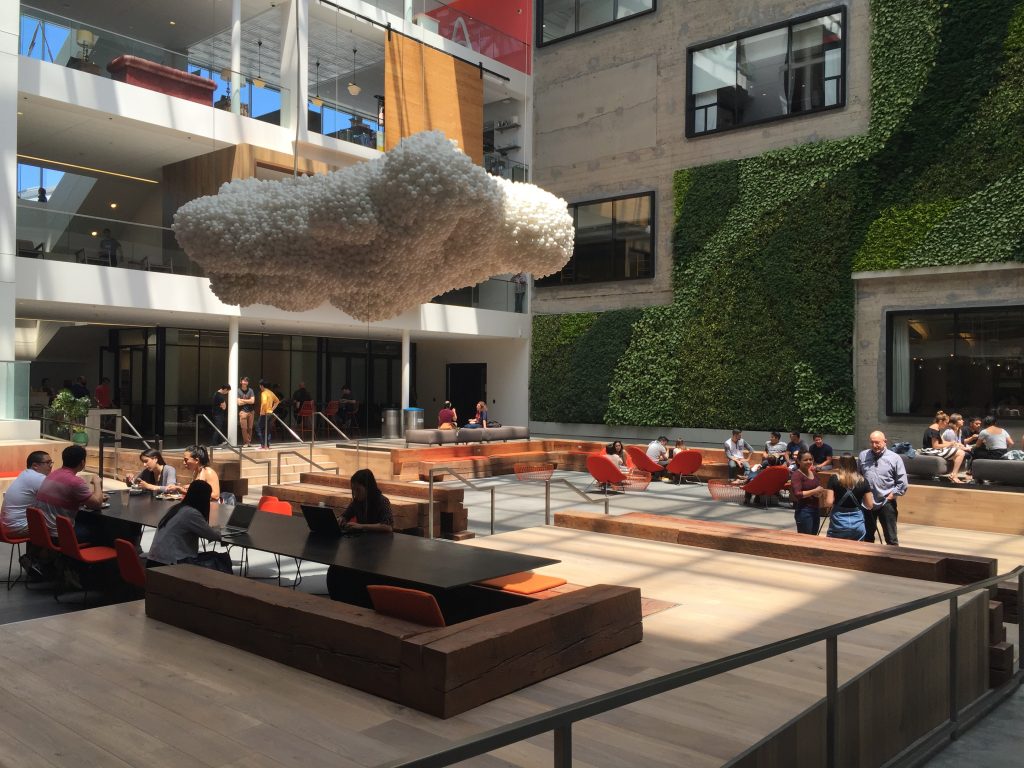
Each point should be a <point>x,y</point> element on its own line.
<point>129,564</point>
<point>331,411</point>
<point>642,461</point>
<point>408,604</point>
<point>264,499</point>
<point>685,464</point>
<point>39,530</point>
<point>524,583</point>
<point>768,483</point>
<point>305,414</point>
<point>15,543</point>
<point>70,548</point>
<point>605,472</point>
<point>275,506</point>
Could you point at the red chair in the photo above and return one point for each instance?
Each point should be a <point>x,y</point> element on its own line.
<point>642,461</point>
<point>408,604</point>
<point>264,499</point>
<point>129,564</point>
<point>15,543</point>
<point>331,411</point>
<point>275,506</point>
<point>685,464</point>
<point>39,530</point>
<point>605,472</point>
<point>306,418</point>
<point>70,548</point>
<point>768,483</point>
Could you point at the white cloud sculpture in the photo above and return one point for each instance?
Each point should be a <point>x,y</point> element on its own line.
<point>377,238</point>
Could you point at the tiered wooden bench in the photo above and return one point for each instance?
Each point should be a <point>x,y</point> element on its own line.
<point>409,502</point>
<point>442,672</point>
<point>486,460</point>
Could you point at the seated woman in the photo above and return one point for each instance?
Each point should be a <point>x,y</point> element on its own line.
<point>447,418</point>
<point>616,453</point>
<point>197,461</point>
<point>480,420</point>
<point>849,495</point>
<point>156,476</point>
<point>934,445</point>
<point>178,532</point>
<point>993,440</point>
<point>369,511</point>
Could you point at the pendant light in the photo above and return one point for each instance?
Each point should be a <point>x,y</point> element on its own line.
<point>258,80</point>
<point>316,100</point>
<point>352,87</point>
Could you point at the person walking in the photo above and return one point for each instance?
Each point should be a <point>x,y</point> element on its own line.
<point>887,478</point>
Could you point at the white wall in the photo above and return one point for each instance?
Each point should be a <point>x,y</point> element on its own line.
<point>508,375</point>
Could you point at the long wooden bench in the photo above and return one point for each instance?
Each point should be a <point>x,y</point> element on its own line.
<point>786,545</point>
<point>442,672</point>
<point>405,462</point>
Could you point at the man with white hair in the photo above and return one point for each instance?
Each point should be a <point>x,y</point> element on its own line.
<point>887,478</point>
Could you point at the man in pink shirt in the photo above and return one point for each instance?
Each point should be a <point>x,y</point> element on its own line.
<point>63,491</point>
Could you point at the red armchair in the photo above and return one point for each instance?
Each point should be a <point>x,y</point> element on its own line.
<point>642,461</point>
<point>605,471</point>
<point>767,483</point>
<point>685,464</point>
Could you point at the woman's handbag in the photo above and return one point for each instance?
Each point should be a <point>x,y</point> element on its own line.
<point>215,561</point>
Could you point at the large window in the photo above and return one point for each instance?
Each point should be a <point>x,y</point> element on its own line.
<point>614,241</point>
<point>791,69</point>
<point>560,19</point>
<point>967,360</point>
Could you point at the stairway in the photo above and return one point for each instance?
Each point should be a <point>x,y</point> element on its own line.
<point>291,466</point>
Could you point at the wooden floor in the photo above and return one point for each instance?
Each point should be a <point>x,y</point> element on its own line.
<point>108,687</point>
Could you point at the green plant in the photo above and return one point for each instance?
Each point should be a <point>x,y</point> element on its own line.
<point>70,411</point>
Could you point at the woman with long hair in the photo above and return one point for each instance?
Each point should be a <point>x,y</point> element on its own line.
<point>616,453</point>
<point>849,495</point>
<point>370,509</point>
<point>933,445</point>
<point>156,475</point>
<point>197,461</point>
<point>178,532</point>
<point>807,492</point>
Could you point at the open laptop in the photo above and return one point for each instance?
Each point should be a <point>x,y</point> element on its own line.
<point>323,522</point>
<point>240,520</point>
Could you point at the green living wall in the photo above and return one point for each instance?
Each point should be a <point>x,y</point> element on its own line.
<point>759,332</point>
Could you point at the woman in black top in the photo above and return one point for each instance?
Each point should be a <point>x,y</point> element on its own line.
<point>932,444</point>
<point>370,509</point>
<point>849,495</point>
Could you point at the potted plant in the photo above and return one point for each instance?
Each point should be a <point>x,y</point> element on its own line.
<point>70,411</point>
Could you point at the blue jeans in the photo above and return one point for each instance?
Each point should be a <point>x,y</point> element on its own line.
<point>737,468</point>
<point>263,430</point>
<point>807,519</point>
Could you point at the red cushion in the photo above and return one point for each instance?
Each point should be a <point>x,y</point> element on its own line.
<point>525,583</point>
<point>409,604</point>
<point>97,554</point>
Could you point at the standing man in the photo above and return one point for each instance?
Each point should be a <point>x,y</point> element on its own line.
<point>21,494</point>
<point>104,397</point>
<point>520,282</point>
<point>887,478</point>
<point>299,396</point>
<point>268,404</point>
<point>737,453</point>
<point>246,411</point>
<point>219,412</point>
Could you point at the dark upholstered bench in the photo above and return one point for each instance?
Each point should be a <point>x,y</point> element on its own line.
<point>998,471</point>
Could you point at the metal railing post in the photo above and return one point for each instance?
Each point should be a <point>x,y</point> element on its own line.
<point>563,746</point>
<point>492,510</point>
<point>954,621</point>
<point>430,504</point>
<point>831,700</point>
<point>547,501</point>
<point>606,504</point>
<point>1020,612</point>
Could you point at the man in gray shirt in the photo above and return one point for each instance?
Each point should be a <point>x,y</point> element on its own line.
<point>887,478</point>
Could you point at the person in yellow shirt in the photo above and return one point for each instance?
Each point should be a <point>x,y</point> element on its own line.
<point>268,402</point>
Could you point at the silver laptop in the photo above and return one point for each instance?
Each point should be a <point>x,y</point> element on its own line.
<point>240,520</point>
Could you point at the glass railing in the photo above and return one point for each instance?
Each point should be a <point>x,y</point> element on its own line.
<point>331,119</point>
<point>510,46</point>
<point>47,233</point>
<point>500,165</point>
<point>14,389</point>
<point>498,293</point>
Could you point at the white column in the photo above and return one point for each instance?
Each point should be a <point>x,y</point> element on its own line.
<point>295,66</point>
<point>236,56</point>
<point>233,380</point>
<point>408,11</point>
<point>8,175</point>
<point>406,368</point>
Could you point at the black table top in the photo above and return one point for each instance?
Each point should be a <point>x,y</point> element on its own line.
<point>435,563</point>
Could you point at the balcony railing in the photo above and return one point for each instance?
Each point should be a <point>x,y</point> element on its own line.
<point>498,293</point>
<point>329,118</point>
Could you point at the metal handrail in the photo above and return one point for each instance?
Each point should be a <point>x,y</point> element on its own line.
<point>226,444</point>
<point>430,495</point>
<point>561,719</point>
<point>330,423</point>
<point>582,494</point>
<point>103,431</point>
<point>312,463</point>
<point>283,424</point>
<point>135,432</point>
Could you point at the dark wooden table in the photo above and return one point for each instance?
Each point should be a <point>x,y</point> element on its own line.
<point>434,563</point>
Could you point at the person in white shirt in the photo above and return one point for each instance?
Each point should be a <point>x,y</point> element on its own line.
<point>21,494</point>
<point>657,451</point>
<point>737,453</point>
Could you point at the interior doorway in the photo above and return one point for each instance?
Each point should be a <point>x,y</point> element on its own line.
<point>465,385</point>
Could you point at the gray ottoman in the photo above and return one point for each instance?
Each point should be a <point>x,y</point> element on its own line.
<point>925,466</point>
<point>998,471</point>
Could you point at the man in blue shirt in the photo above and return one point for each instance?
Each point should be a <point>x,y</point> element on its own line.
<point>887,478</point>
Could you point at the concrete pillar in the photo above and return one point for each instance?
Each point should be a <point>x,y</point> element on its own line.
<point>236,56</point>
<point>408,11</point>
<point>406,368</point>
<point>233,380</point>
<point>8,175</point>
<point>295,66</point>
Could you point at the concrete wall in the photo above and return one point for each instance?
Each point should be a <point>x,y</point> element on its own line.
<point>877,293</point>
<point>610,113</point>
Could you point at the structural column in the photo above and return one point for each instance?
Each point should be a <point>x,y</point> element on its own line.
<point>295,66</point>
<point>236,56</point>
<point>233,380</point>
<point>8,198</point>
<point>406,368</point>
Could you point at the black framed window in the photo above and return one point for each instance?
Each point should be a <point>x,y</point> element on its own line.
<point>775,72</point>
<point>614,241</point>
<point>966,360</point>
<point>562,19</point>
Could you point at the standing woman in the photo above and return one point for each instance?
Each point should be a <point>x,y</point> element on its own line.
<point>849,495</point>
<point>178,532</point>
<point>156,476</point>
<point>807,493</point>
<point>197,461</point>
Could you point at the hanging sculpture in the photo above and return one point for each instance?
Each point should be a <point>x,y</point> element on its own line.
<point>377,238</point>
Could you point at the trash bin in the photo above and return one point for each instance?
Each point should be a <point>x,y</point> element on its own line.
<point>413,419</point>
<point>391,426</point>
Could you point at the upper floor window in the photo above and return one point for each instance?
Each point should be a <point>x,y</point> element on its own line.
<point>614,241</point>
<point>559,19</point>
<point>773,73</point>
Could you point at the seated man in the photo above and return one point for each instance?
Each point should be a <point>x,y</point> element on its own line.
<point>657,452</point>
<point>794,448</point>
<point>737,453</point>
<point>21,494</point>
<point>822,452</point>
<point>63,492</point>
<point>774,449</point>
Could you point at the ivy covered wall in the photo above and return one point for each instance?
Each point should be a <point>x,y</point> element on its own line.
<point>759,332</point>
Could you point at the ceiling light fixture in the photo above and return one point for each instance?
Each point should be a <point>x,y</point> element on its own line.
<point>354,89</point>
<point>94,233</point>
<point>316,100</point>
<point>113,205</point>
<point>173,23</point>
<point>258,80</point>
<point>86,168</point>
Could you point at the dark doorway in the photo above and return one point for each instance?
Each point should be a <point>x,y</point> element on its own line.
<point>465,385</point>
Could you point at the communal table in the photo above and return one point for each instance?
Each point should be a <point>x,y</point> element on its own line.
<point>411,559</point>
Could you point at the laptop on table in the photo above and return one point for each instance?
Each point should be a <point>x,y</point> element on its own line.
<point>323,522</point>
<point>240,520</point>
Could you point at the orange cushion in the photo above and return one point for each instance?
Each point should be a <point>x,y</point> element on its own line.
<point>525,583</point>
<point>409,604</point>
